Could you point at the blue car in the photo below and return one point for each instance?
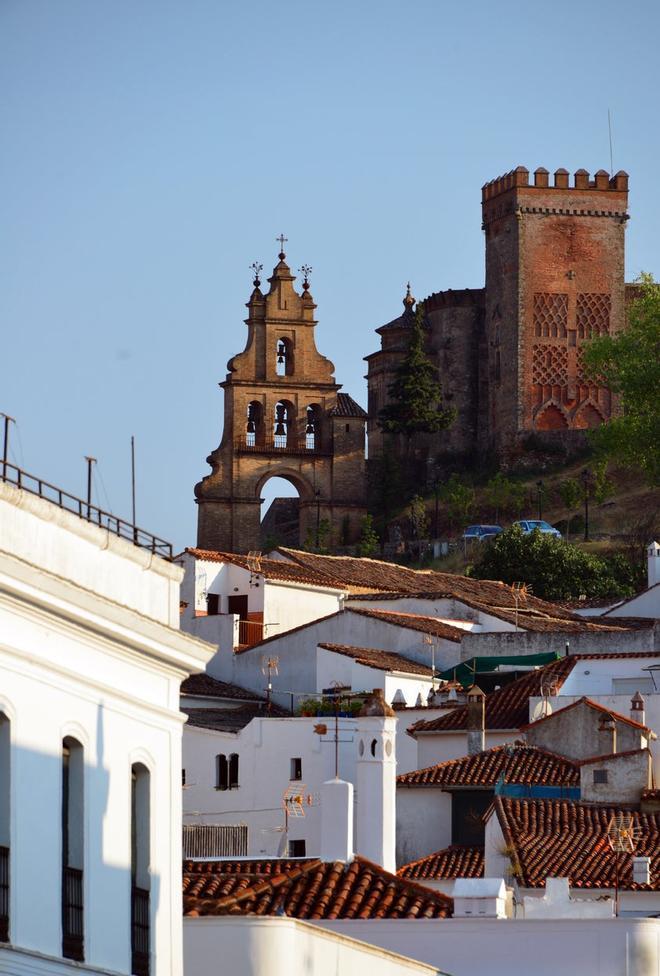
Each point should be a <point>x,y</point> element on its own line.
<point>528,525</point>
<point>481,533</point>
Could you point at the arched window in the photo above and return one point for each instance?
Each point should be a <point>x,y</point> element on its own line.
<point>5,784</point>
<point>233,771</point>
<point>221,773</point>
<point>313,427</point>
<point>73,845</point>
<point>254,428</point>
<point>283,424</point>
<point>140,868</point>
<point>374,743</point>
<point>284,358</point>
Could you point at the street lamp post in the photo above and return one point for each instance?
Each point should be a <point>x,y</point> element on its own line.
<point>318,514</point>
<point>540,487</point>
<point>586,479</point>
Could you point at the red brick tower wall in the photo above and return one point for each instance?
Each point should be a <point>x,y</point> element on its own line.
<point>554,278</point>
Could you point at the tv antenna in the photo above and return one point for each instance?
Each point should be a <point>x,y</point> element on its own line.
<point>622,836</point>
<point>429,640</point>
<point>520,593</point>
<point>321,728</point>
<point>269,667</point>
<point>254,565</point>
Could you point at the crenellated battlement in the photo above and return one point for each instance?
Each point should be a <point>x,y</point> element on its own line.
<point>519,177</point>
<point>454,298</point>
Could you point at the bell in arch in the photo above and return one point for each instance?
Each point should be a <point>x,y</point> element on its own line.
<point>281,352</point>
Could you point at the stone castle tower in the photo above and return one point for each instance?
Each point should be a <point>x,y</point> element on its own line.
<point>509,355</point>
<point>283,417</point>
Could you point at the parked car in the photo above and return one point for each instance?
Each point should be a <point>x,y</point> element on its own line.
<point>528,525</point>
<point>481,533</point>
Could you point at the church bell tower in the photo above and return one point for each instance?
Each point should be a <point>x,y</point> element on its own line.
<point>283,417</point>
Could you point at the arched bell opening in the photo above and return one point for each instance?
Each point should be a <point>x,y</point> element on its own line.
<point>313,427</point>
<point>284,425</point>
<point>254,427</point>
<point>284,357</point>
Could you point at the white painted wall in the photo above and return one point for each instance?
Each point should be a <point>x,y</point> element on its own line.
<point>646,604</point>
<point>74,663</point>
<point>423,822</point>
<point>438,747</point>
<point>254,946</point>
<point>518,947</point>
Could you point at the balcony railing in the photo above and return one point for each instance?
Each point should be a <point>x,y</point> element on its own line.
<point>250,632</point>
<point>139,931</point>
<point>280,445</point>
<point>72,914</point>
<point>91,513</point>
<point>4,894</point>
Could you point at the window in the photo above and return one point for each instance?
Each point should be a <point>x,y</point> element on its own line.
<point>212,604</point>
<point>221,773</point>
<point>374,744</point>
<point>348,428</point>
<point>233,771</point>
<point>600,777</point>
<point>5,741</point>
<point>296,769</point>
<point>140,868</point>
<point>297,848</point>
<point>183,777</point>
<point>73,765</point>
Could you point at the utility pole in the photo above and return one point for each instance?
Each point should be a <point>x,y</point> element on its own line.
<point>5,451</point>
<point>318,514</point>
<point>90,462</point>
<point>540,488</point>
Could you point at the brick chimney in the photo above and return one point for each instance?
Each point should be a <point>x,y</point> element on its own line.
<point>476,720</point>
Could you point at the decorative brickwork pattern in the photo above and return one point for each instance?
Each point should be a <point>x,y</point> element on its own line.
<point>550,315</point>
<point>593,315</point>
<point>550,365</point>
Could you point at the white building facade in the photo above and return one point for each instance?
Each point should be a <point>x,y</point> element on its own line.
<point>91,662</point>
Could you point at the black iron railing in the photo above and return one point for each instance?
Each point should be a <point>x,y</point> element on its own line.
<point>139,931</point>
<point>4,894</point>
<point>91,513</point>
<point>279,444</point>
<point>72,914</point>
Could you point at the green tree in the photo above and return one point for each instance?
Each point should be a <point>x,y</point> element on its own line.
<point>318,539</point>
<point>571,494</point>
<point>459,500</point>
<point>556,570</point>
<point>498,494</point>
<point>419,521</point>
<point>369,543</point>
<point>628,363</point>
<point>416,394</point>
<point>603,488</point>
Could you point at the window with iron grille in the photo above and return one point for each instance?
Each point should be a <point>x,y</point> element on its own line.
<point>600,777</point>
<point>5,742</point>
<point>297,848</point>
<point>73,917</point>
<point>140,871</point>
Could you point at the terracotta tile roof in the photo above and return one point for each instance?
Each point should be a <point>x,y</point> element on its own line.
<point>425,625</point>
<point>519,763</point>
<point>508,707</point>
<point>595,706</point>
<point>560,838</point>
<point>207,687</point>
<point>347,407</point>
<point>307,889</point>
<point>231,719</point>
<point>382,660</point>
<point>488,596</point>
<point>455,861</point>
<point>271,569</point>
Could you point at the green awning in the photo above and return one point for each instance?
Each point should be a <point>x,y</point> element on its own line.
<point>467,671</point>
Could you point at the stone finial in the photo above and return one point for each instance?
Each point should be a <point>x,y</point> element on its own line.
<point>375,706</point>
<point>409,299</point>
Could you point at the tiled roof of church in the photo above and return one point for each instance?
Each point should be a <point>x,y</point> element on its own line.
<point>517,763</point>
<point>382,660</point>
<point>560,838</point>
<point>307,889</point>
<point>455,861</point>
<point>347,407</point>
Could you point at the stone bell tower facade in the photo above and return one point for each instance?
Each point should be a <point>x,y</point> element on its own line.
<point>284,417</point>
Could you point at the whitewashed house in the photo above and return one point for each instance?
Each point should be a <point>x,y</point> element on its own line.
<point>91,660</point>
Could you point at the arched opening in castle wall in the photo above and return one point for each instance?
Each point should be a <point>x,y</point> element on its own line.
<point>551,419</point>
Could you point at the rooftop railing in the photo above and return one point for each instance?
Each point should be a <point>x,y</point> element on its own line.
<point>84,510</point>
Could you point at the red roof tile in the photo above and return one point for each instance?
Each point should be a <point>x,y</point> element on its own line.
<point>205,686</point>
<point>558,838</point>
<point>455,861</point>
<point>271,569</point>
<point>347,407</point>
<point>412,621</point>
<point>310,889</point>
<point>382,660</point>
<point>518,763</point>
<point>508,707</point>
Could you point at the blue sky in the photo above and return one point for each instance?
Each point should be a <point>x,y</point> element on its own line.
<point>152,150</point>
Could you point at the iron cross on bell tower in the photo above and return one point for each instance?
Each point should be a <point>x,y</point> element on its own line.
<point>282,241</point>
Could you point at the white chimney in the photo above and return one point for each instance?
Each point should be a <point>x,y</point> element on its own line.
<point>653,562</point>
<point>476,720</point>
<point>336,820</point>
<point>641,870</point>
<point>376,782</point>
<point>637,709</point>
